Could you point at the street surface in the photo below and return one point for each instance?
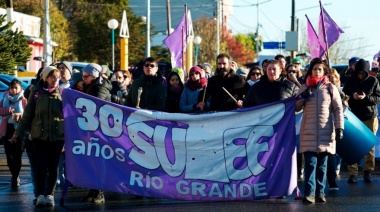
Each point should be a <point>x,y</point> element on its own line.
<point>357,197</point>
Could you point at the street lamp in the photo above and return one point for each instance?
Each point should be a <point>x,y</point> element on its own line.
<point>197,40</point>
<point>112,24</point>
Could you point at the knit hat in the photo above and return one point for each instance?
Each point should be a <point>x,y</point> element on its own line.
<point>296,60</point>
<point>76,76</point>
<point>106,70</point>
<point>67,65</point>
<point>353,60</point>
<point>361,65</point>
<point>92,69</point>
<point>45,72</point>
<point>242,72</point>
<point>197,69</point>
<point>207,67</point>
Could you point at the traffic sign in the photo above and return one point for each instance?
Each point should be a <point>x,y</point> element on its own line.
<point>274,45</point>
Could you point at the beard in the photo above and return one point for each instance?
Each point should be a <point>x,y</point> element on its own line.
<point>223,72</point>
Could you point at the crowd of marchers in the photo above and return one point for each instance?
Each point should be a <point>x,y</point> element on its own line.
<point>32,119</point>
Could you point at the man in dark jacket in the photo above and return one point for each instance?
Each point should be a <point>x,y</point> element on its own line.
<point>99,87</point>
<point>225,80</point>
<point>153,91</point>
<point>364,92</point>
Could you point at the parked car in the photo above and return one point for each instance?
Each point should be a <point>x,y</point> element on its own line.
<point>3,88</point>
<point>6,79</point>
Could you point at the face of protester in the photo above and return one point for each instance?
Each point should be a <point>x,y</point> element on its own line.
<point>65,73</point>
<point>361,74</point>
<point>14,89</point>
<point>223,64</point>
<point>318,70</point>
<point>265,66</point>
<point>291,70</point>
<point>53,80</point>
<point>87,79</point>
<point>174,81</point>
<point>283,62</point>
<point>255,75</point>
<point>119,76</point>
<point>150,68</point>
<point>195,76</point>
<point>273,72</point>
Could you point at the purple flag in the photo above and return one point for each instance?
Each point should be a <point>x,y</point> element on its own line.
<point>315,48</point>
<point>180,156</point>
<point>176,43</point>
<point>328,30</point>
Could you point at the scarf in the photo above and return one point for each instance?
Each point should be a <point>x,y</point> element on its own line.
<point>194,85</point>
<point>316,82</point>
<point>177,89</point>
<point>14,102</point>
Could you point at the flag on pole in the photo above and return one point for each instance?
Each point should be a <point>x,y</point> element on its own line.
<point>177,42</point>
<point>315,48</point>
<point>329,31</point>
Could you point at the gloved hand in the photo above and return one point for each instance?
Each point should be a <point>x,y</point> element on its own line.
<point>306,93</point>
<point>338,134</point>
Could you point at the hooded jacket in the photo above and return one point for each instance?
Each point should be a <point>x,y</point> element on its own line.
<point>101,89</point>
<point>366,108</point>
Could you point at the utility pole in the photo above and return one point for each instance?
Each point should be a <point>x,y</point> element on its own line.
<point>257,39</point>
<point>147,46</point>
<point>217,26</point>
<point>168,16</point>
<point>293,25</point>
<point>47,38</point>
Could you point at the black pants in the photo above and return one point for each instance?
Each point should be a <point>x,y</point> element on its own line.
<point>13,152</point>
<point>45,165</point>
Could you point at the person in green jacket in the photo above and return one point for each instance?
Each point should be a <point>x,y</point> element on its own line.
<point>43,115</point>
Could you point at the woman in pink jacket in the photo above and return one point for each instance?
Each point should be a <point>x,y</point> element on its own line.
<point>322,125</point>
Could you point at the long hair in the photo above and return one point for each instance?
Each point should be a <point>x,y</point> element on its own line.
<point>316,61</point>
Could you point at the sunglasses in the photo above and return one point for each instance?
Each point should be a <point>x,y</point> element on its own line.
<point>292,71</point>
<point>257,74</point>
<point>149,65</point>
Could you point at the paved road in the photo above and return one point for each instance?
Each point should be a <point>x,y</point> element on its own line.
<point>359,197</point>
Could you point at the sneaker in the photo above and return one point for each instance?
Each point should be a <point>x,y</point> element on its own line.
<point>321,198</point>
<point>15,182</point>
<point>98,198</point>
<point>352,179</point>
<point>333,186</point>
<point>309,199</point>
<point>367,176</point>
<point>40,200</point>
<point>49,200</point>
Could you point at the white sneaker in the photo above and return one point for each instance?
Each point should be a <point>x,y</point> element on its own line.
<point>40,200</point>
<point>49,200</point>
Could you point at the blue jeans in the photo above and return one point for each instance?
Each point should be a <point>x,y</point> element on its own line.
<point>315,173</point>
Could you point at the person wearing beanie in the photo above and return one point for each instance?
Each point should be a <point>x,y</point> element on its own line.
<point>95,85</point>
<point>242,72</point>
<point>349,72</point>
<point>106,73</point>
<point>43,117</point>
<point>364,95</point>
<point>297,62</point>
<point>225,77</point>
<point>208,69</point>
<point>66,72</point>
<point>149,91</point>
<point>189,98</point>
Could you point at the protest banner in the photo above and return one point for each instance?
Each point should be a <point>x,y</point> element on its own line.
<point>245,154</point>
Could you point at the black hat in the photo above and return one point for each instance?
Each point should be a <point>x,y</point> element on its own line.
<point>361,65</point>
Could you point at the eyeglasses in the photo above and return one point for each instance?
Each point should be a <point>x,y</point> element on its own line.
<point>149,65</point>
<point>55,78</point>
<point>291,71</point>
<point>256,73</point>
<point>84,77</point>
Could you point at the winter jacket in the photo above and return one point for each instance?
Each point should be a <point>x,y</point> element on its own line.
<point>4,111</point>
<point>367,108</point>
<point>100,88</point>
<point>43,115</point>
<point>236,85</point>
<point>320,111</point>
<point>264,91</point>
<point>189,100</point>
<point>153,94</point>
